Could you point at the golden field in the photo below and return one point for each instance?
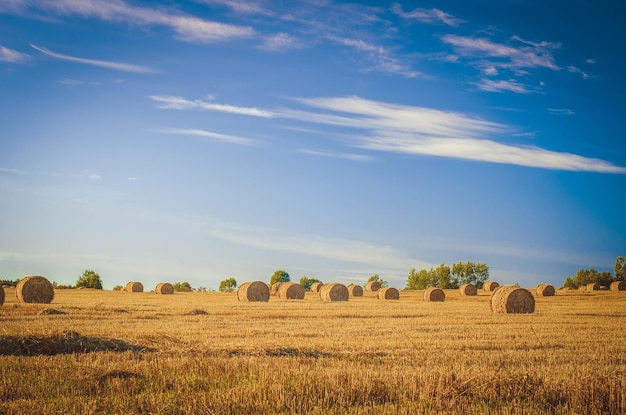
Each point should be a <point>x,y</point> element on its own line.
<point>93,352</point>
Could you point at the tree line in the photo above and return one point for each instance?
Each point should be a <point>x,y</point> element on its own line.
<point>446,277</point>
<point>586,276</point>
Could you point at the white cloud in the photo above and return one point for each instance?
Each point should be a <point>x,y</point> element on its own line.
<point>12,56</point>
<point>210,135</point>
<point>347,156</point>
<point>280,42</point>
<point>126,67</point>
<point>561,111</point>
<point>509,85</point>
<point>427,15</point>
<point>179,103</point>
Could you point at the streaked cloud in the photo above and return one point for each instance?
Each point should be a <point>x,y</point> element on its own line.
<point>210,135</point>
<point>509,85</point>
<point>179,103</point>
<point>431,16</point>
<point>280,42</point>
<point>118,66</point>
<point>561,111</point>
<point>12,56</point>
<point>347,156</point>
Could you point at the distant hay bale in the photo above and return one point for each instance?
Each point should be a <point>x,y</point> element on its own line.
<point>582,288</point>
<point>388,293</point>
<point>1,295</point>
<point>468,290</point>
<point>334,292</point>
<point>615,286</point>
<point>372,286</point>
<point>490,286</point>
<point>593,286</point>
<point>291,291</point>
<point>315,287</point>
<point>34,289</point>
<point>134,287</point>
<point>355,290</point>
<point>164,288</point>
<point>511,299</point>
<point>254,291</point>
<point>434,294</point>
<point>274,288</point>
<point>545,290</point>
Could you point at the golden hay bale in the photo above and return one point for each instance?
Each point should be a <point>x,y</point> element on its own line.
<point>334,292</point>
<point>372,286</point>
<point>615,286</point>
<point>468,289</point>
<point>253,291</point>
<point>490,286</point>
<point>355,290</point>
<point>593,286</point>
<point>315,287</point>
<point>434,294</point>
<point>291,291</point>
<point>134,287</point>
<point>512,299</point>
<point>1,295</point>
<point>545,290</point>
<point>274,288</point>
<point>388,293</point>
<point>582,288</point>
<point>164,288</point>
<point>34,289</point>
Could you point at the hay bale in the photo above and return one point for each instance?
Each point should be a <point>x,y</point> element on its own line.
<point>315,287</point>
<point>355,290</point>
<point>134,287</point>
<point>1,295</point>
<point>468,290</point>
<point>511,299</point>
<point>615,286</point>
<point>164,288</point>
<point>372,286</point>
<point>582,288</point>
<point>253,291</point>
<point>334,292</point>
<point>545,290</point>
<point>434,294</point>
<point>34,289</point>
<point>593,286</point>
<point>490,286</point>
<point>388,293</point>
<point>291,291</point>
<point>274,288</point>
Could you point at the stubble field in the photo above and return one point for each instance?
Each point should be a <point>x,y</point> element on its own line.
<point>93,352</point>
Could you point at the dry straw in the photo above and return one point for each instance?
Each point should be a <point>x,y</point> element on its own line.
<point>355,290</point>
<point>593,286</point>
<point>34,289</point>
<point>315,287</point>
<point>372,286</point>
<point>253,291</point>
<point>388,293</point>
<point>1,295</point>
<point>468,289</point>
<point>274,288</point>
<point>334,292</point>
<point>511,299</point>
<point>434,294</point>
<point>164,288</point>
<point>545,290</point>
<point>134,287</point>
<point>291,291</point>
<point>615,286</point>
<point>490,286</point>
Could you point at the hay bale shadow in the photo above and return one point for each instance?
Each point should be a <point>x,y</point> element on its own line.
<point>62,342</point>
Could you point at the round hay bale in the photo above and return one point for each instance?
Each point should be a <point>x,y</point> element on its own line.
<point>134,287</point>
<point>253,291</point>
<point>434,294</point>
<point>490,286</point>
<point>334,292</point>
<point>582,288</point>
<point>615,286</point>
<point>372,286</point>
<point>34,289</point>
<point>388,293</point>
<point>164,288</point>
<point>1,295</point>
<point>468,290</point>
<point>355,290</point>
<point>274,288</point>
<point>593,286</point>
<point>315,287</point>
<point>511,299</point>
<point>545,290</point>
<point>291,291</point>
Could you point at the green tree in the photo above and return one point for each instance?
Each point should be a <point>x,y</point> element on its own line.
<point>89,279</point>
<point>586,276</point>
<point>306,282</point>
<point>376,277</point>
<point>470,273</point>
<point>182,287</point>
<point>228,285</point>
<point>279,275</point>
<point>620,268</point>
<point>442,277</point>
<point>419,280</point>
<point>118,288</point>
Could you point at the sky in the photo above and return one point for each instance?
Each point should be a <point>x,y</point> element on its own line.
<point>200,140</point>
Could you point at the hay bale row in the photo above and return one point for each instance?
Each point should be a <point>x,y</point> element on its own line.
<point>372,286</point>
<point>274,288</point>
<point>468,290</point>
<point>334,292</point>
<point>618,286</point>
<point>545,290</point>
<point>253,291</point>
<point>511,299</point>
<point>355,290</point>
<point>291,291</point>
<point>593,286</point>
<point>1,295</point>
<point>434,294</point>
<point>34,289</point>
<point>164,288</point>
<point>315,287</point>
<point>490,286</point>
<point>388,293</point>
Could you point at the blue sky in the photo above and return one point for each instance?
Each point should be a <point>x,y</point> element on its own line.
<point>199,140</point>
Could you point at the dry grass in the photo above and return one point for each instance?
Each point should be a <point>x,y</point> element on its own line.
<point>112,353</point>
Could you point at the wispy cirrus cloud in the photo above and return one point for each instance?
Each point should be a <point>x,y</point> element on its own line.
<point>226,138</point>
<point>561,111</point>
<point>386,127</point>
<point>12,56</point>
<point>431,16</point>
<point>504,85</point>
<point>118,66</point>
<point>179,103</point>
<point>280,42</point>
<point>346,156</point>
